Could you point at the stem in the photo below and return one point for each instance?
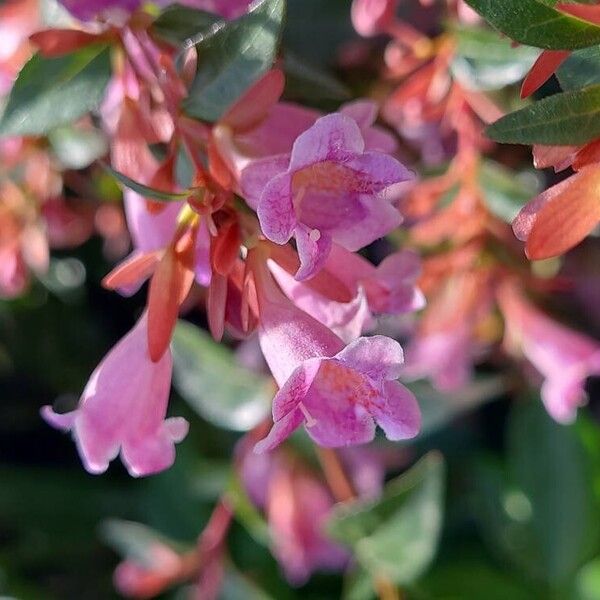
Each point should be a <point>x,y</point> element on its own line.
<point>339,482</point>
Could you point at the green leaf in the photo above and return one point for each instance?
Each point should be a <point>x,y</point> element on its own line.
<point>50,92</point>
<point>77,148</point>
<point>506,192</point>
<point>580,70</point>
<point>570,118</point>
<point>486,61</point>
<point>548,463</point>
<point>472,578</point>
<point>396,536</point>
<point>536,23</point>
<point>135,541</point>
<point>233,57</point>
<point>144,190</point>
<point>587,582</point>
<point>214,385</point>
<point>177,23</point>
<point>238,587</point>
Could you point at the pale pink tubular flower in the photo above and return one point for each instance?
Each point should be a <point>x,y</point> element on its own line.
<point>332,191</point>
<point>297,505</point>
<point>564,357</point>
<point>349,290</point>
<point>338,392</point>
<point>122,409</point>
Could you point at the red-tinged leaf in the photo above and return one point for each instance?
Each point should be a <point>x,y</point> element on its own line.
<point>169,287</point>
<point>57,42</point>
<point>133,270</point>
<point>225,248</point>
<point>254,105</point>
<point>216,304</point>
<point>558,157</point>
<point>588,155</point>
<point>163,180</point>
<point>544,67</point>
<point>587,12</point>
<point>568,218</point>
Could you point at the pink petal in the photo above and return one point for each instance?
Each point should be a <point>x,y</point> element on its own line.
<point>332,137</point>
<point>280,431</point>
<point>313,247</point>
<point>275,210</point>
<point>378,171</point>
<point>258,174</point>
<point>379,357</point>
<point>397,412</point>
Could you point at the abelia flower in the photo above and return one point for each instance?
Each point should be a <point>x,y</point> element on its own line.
<point>90,9</point>
<point>564,357</point>
<point>349,290</point>
<point>331,191</point>
<point>338,392</point>
<point>296,504</point>
<point>122,410</point>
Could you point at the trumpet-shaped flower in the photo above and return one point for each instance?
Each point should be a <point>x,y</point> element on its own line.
<point>123,409</point>
<point>338,392</point>
<point>564,357</point>
<point>332,191</point>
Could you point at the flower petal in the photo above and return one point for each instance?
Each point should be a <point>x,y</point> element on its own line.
<point>275,210</point>
<point>378,356</point>
<point>397,412</point>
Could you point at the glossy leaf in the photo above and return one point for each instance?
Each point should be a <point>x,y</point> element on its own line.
<point>232,57</point>
<point>580,70</point>
<point>77,148</point>
<point>536,23</point>
<point>50,92</point>
<point>570,118</point>
<point>146,191</point>
<point>506,192</point>
<point>216,387</point>
<point>396,536</point>
<point>178,24</point>
<point>486,61</point>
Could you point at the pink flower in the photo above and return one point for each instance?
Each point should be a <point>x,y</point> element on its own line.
<point>122,409</point>
<point>564,357</point>
<point>338,392</point>
<point>331,191</point>
<point>297,509</point>
<point>346,293</point>
<point>297,505</point>
<point>90,9</point>
<point>444,356</point>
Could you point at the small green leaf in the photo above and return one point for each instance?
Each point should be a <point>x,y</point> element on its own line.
<point>177,23</point>
<point>506,192</point>
<point>570,118</point>
<point>486,61</point>
<point>135,541</point>
<point>214,385</point>
<point>144,190</point>
<point>396,536</point>
<point>580,70</point>
<point>232,57</point>
<point>77,148</point>
<point>50,92</point>
<point>536,23</point>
